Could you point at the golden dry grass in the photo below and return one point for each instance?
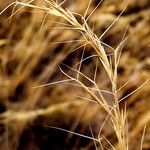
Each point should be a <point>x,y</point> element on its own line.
<point>56,63</point>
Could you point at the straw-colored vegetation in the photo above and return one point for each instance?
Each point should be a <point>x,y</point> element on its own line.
<point>74,75</point>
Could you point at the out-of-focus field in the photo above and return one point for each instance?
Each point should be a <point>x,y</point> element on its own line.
<point>33,44</point>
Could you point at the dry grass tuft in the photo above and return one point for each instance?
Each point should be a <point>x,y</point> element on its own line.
<point>34,72</point>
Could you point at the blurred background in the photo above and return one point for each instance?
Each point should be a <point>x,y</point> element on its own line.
<point>34,44</point>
